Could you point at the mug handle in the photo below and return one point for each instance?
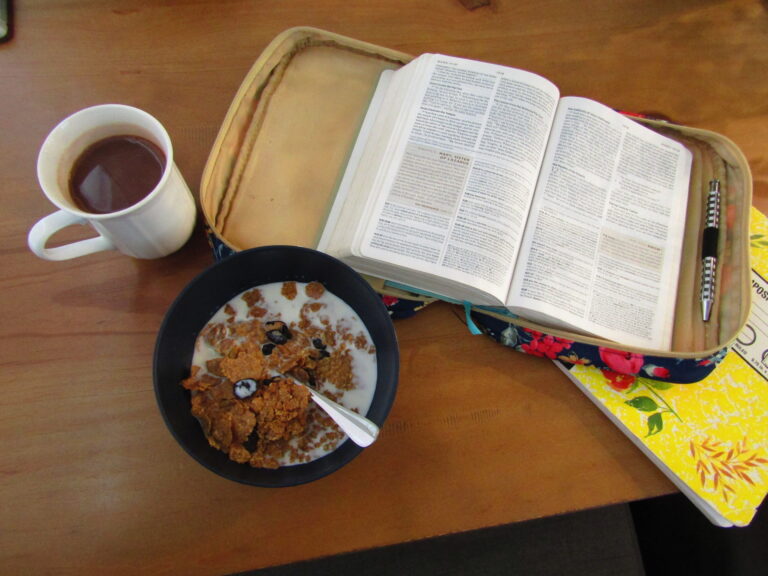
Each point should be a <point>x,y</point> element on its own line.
<point>48,226</point>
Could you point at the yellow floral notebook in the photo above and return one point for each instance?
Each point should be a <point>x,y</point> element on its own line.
<point>710,438</point>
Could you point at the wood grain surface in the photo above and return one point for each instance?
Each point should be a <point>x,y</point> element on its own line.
<point>92,481</point>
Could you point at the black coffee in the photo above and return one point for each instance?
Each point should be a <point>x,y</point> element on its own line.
<point>115,173</point>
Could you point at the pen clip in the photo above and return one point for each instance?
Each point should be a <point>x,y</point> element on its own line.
<point>713,205</point>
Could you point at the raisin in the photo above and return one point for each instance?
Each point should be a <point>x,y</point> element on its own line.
<point>245,388</point>
<point>252,443</point>
<point>278,332</point>
<point>277,337</point>
<point>318,343</point>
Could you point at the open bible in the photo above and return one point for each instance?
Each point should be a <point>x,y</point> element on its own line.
<point>478,183</point>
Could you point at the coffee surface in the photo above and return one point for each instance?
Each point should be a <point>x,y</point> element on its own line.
<point>115,173</point>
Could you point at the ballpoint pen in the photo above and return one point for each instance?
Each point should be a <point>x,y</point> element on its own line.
<point>709,249</point>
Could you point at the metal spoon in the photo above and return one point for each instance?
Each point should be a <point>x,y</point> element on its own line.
<point>360,430</point>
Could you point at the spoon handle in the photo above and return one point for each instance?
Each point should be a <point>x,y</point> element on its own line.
<point>359,429</point>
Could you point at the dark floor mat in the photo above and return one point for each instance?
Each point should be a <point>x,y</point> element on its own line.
<point>594,542</point>
<point>675,538</point>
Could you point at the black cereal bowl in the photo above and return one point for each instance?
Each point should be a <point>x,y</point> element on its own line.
<point>212,289</point>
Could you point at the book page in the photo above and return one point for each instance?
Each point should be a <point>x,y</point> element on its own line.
<point>453,204</point>
<point>346,204</point>
<point>380,127</point>
<point>604,240</point>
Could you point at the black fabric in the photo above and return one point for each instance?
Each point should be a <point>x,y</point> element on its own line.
<point>594,542</point>
<point>675,538</point>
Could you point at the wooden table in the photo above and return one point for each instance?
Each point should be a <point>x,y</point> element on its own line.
<point>92,481</point>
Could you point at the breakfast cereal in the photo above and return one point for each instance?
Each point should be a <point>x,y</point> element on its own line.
<point>246,357</point>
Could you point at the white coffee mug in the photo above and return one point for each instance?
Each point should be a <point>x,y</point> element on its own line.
<point>157,225</point>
